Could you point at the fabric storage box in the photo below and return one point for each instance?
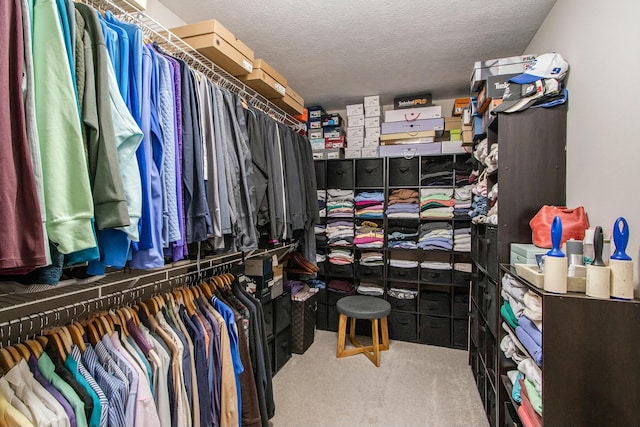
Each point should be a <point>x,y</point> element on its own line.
<point>267,309</point>
<point>291,102</point>
<point>404,172</point>
<point>435,331</point>
<point>492,252</point>
<point>321,265</point>
<point>488,305</point>
<point>460,334</point>
<point>460,304</point>
<point>265,80</point>
<point>340,174</point>
<point>214,41</point>
<point>403,304</point>
<point>321,317</point>
<point>303,324</point>
<point>474,325</point>
<point>525,253</point>
<point>333,317</point>
<point>402,273</point>
<point>434,303</point>
<point>427,149</point>
<point>435,276</point>
<point>282,312</point>
<point>462,278</point>
<point>282,349</point>
<point>369,272</point>
<point>403,326</point>
<point>413,114</point>
<point>333,297</point>
<point>412,127</point>
<point>339,270</point>
<point>370,173</point>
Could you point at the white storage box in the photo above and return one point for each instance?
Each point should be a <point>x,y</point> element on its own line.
<point>355,133</point>
<point>412,114</point>
<point>410,151</point>
<point>355,121</point>
<point>352,153</point>
<point>355,109</point>
<point>371,101</point>
<point>372,122</point>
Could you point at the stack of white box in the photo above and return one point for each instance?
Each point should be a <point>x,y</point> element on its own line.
<point>355,131</point>
<point>372,120</point>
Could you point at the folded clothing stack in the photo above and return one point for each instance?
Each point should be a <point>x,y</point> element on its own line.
<point>462,197</point>
<point>372,289</point>
<point>339,232</point>
<point>321,234</point>
<point>464,267</point>
<point>403,236</point>
<point>403,203</point>
<point>316,283</point>
<point>436,203</point>
<point>533,308</point>
<point>436,236</point>
<point>370,204</point>
<point>401,293</point>
<point>341,286</point>
<point>340,203</point>
<point>403,263</point>
<point>340,257</point>
<point>369,236</point>
<point>322,203</point>
<point>371,259</point>
<point>436,265</point>
<point>531,337</point>
<point>513,292</point>
<point>462,238</point>
<point>320,258</point>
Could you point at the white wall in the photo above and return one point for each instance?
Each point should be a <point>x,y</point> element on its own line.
<point>599,40</point>
<point>164,16</point>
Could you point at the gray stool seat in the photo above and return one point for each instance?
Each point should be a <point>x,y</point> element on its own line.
<point>363,307</point>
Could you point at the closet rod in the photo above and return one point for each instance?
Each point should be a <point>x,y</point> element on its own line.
<point>173,44</point>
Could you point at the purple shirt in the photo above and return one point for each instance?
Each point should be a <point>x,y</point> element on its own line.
<point>33,366</point>
<point>138,337</point>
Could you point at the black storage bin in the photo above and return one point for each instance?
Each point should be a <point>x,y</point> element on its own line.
<point>435,331</point>
<point>401,273</point>
<point>460,304</point>
<point>434,303</point>
<point>267,308</point>
<point>460,334</point>
<point>491,405</point>
<point>403,326</point>
<point>340,174</point>
<point>333,316</point>
<point>272,356</point>
<point>489,305</point>
<point>474,325</point>
<point>321,317</point>
<point>339,270</point>
<point>303,324</point>
<point>404,172</point>
<point>282,348</point>
<point>401,304</point>
<point>511,418</point>
<point>435,276</point>
<point>462,278</point>
<point>282,312</point>
<point>333,297</point>
<point>369,272</point>
<point>321,174</point>
<point>370,173</point>
<point>492,252</point>
<point>322,268</point>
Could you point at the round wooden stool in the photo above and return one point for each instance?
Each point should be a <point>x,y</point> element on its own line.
<point>363,307</point>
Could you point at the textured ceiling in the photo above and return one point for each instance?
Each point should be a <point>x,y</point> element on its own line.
<point>333,52</point>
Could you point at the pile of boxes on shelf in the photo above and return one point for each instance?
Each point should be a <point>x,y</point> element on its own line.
<point>218,44</point>
<point>363,132</point>
<point>326,134</point>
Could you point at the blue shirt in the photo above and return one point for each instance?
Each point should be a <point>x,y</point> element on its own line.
<point>115,389</point>
<point>104,403</point>
<point>72,365</point>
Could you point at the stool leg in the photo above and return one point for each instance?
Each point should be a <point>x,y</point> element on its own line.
<point>376,342</point>
<point>385,334</point>
<point>342,326</point>
<point>352,331</point>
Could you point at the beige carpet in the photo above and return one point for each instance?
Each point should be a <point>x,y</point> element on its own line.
<point>415,385</point>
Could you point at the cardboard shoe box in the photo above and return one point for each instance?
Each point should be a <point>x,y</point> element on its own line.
<point>356,143</point>
<point>332,154</point>
<point>265,80</point>
<point>491,67</point>
<point>372,122</point>
<point>316,134</point>
<point>411,114</point>
<point>373,111</point>
<point>408,135</point>
<point>214,41</point>
<point>333,119</point>
<point>412,101</point>
<point>316,112</point>
<point>372,132</point>
<point>356,121</point>
<point>452,123</point>
<point>410,151</point>
<point>352,153</point>
<point>459,104</point>
<point>369,152</point>
<point>355,109</point>
<point>333,132</point>
<point>355,133</point>
<point>413,126</point>
<point>371,101</point>
<point>317,144</point>
<point>291,102</point>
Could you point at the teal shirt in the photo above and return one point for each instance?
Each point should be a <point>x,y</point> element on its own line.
<point>47,369</point>
<point>72,366</point>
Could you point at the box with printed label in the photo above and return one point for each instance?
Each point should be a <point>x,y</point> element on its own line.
<point>412,101</point>
<point>356,142</point>
<point>496,85</point>
<point>412,114</point>
<point>370,152</point>
<point>453,147</point>
<point>412,126</point>
<point>409,151</point>
<point>318,154</point>
<point>372,122</point>
<point>317,144</point>
<point>355,121</point>
<point>355,109</point>
<point>373,111</point>
<point>355,133</point>
<point>459,104</point>
<point>371,141</point>
<point>265,80</point>
<point>214,41</point>
<point>316,112</point>
<point>337,142</point>
<point>372,132</point>
<point>371,101</point>
<point>408,135</point>
<point>406,141</point>
<point>291,102</point>
<point>315,124</point>
<point>352,153</point>
<point>333,119</point>
<point>337,153</point>
<point>316,133</point>
<point>333,132</point>
<point>492,67</point>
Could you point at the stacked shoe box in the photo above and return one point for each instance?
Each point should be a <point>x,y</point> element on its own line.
<point>372,123</point>
<point>355,130</point>
<point>318,117</point>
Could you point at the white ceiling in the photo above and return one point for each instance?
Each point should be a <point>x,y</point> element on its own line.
<point>333,52</point>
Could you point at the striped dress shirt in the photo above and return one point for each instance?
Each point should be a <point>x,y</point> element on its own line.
<point>104,403</point>
<point>115,389</point>
<point>105,350</point>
